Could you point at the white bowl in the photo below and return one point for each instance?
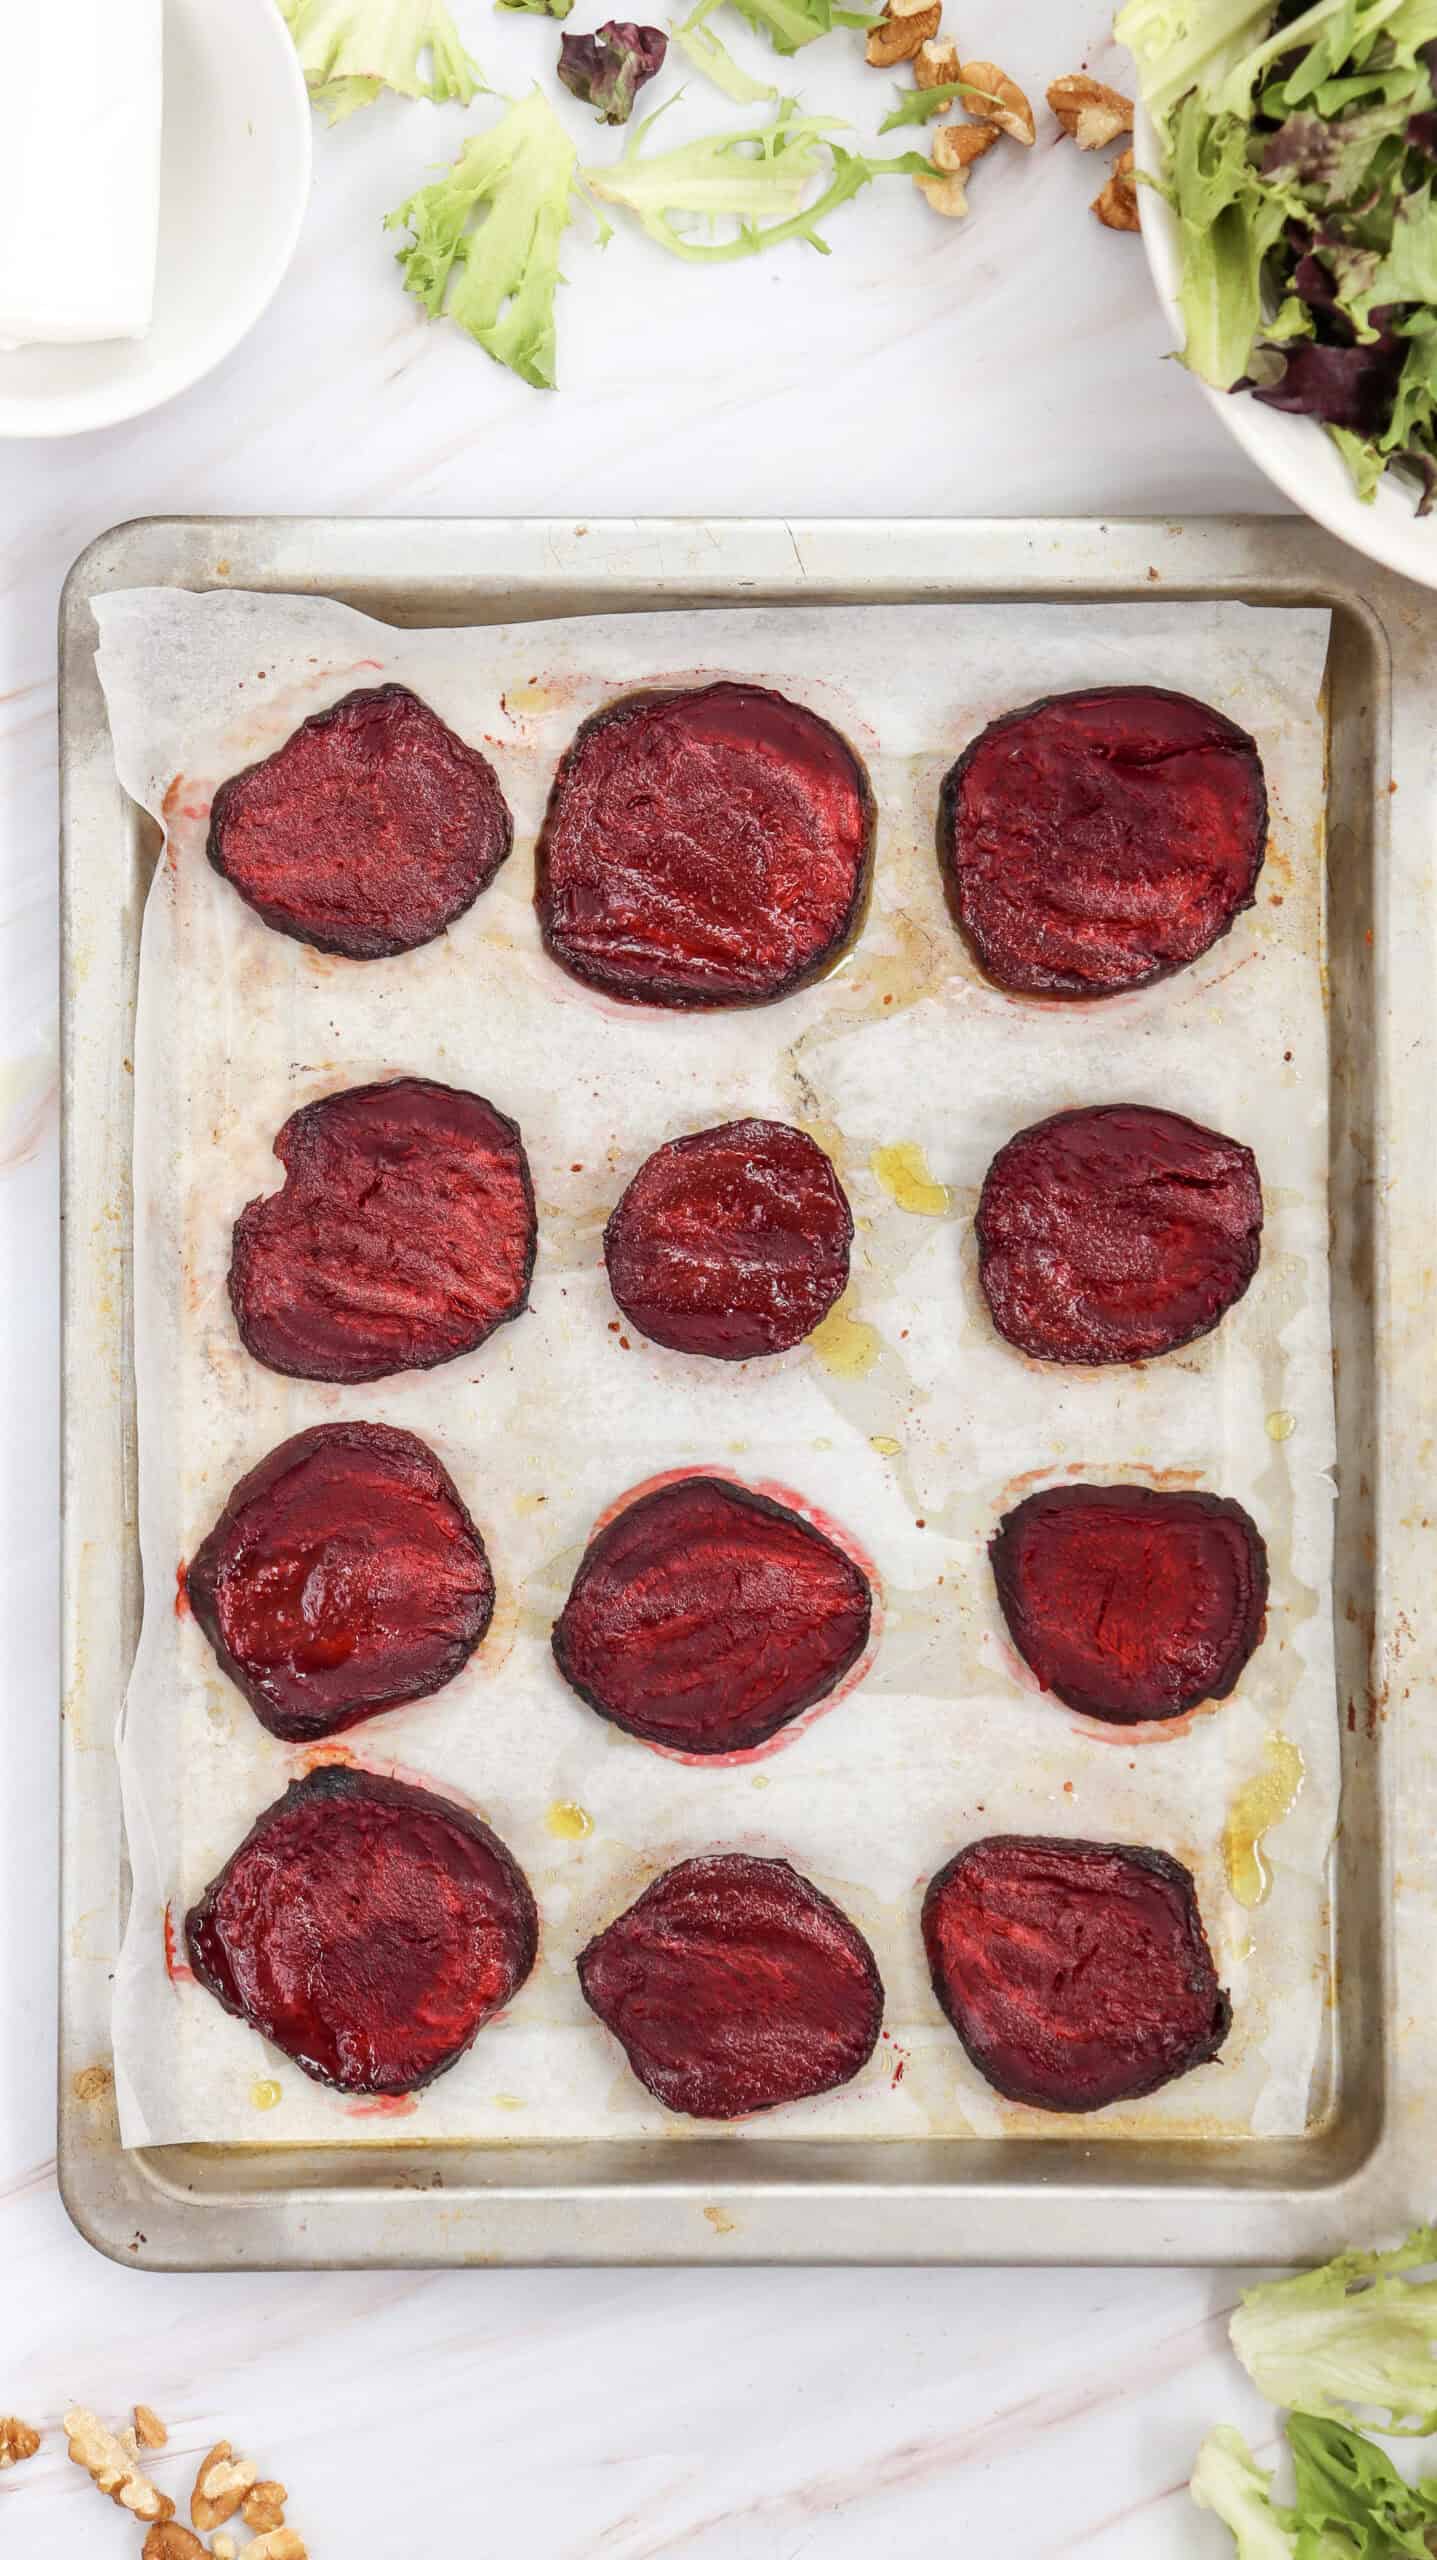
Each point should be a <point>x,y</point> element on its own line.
<point>234,185</point>
<point>1296,455</point>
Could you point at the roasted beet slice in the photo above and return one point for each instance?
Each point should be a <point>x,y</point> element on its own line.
<point>1076,1973</point>
<point>1099,840</point>
<point>405,1232</point>
<point>734,1984</point>
<point>343,1575</point>
<point>704,1617</point>
<point>704,848</point>
<point>367,832</point>
<point>366,1927</point>
<point>1116,1233</point>
<point>733,1243</point>
<point>1129,1604</point>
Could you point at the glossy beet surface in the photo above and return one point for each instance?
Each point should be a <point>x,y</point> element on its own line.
<point>704,848</point>
<point>1076,1972</point>
<point>404,1234</point>
<point>705,1617</point>
<point>1099,840</point>
<point>343,1575</point>
<point>733,1243</point>
<point>1130,1604</point>
<point>1116,1233</point>
<point>366,1927</point>
<point>734,1984</point>
<point>367,832</point>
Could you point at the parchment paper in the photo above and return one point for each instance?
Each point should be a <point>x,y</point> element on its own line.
<point>912,1425</point>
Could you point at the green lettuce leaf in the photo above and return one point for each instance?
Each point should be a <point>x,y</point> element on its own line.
<point>1348,2490</point>
<point>497,280</point>
<point>1228,2482</point>
<point>350,50</point>
<point>1349,2337</point>
<point>758,177</point>
<point>915,106</point>
<point>790,24</point>
<point>1228,219</point>
<point>696,38</point>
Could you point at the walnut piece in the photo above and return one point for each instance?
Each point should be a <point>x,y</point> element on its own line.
<point>1117,206</point>
<point>17,2442</point>
<point>264,2507</point>
<point>173,2542</point>
<point>113,2470</point>
<point>1002,102</point>
<point>935,66</point>
<point>905,26</point>
<point>284,2545</point>
<point>221,2486</point>
<point>225,2547</point>
<point>957,146</point>
<point>1090,113</point>
<point>947,196</point>
<point>150,2430</point>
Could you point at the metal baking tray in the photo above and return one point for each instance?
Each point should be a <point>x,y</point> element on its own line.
<point>1077,2197</point>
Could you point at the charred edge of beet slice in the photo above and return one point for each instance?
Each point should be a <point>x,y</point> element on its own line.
<point>207,1565</point>
<point>356,944</point>
<point>666,995</point>
<point>638,1227</point>
<point>1079,992</point>
<point>1156,1862</point>
<point>762,1730</point>
<point>624,1937</point>
<point>293,1135</point>
<point>988,1249</point>
<point>333,1782</point>
<point>1012,1581</point>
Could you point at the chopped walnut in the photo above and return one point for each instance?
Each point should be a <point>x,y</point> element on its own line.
<point>17,2442</point>
<point>173,2542</point>
<point>221,2486</point>
<point>955,148</point>
<point>264,2507</point>
<point>1090,113</point>
<point>1117,206</point>
<point>113,2470</point>
<point>1002,102</point>
<point>225,2547</point>
<point>905,26</point>
<point>935,66</point>
<point>284,2545</point>
<point>150,2430</point>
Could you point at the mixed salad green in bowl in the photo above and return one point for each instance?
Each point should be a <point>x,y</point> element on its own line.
<point>1291,223</point>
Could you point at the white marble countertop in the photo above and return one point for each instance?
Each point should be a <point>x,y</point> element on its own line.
<point>1009,367</point>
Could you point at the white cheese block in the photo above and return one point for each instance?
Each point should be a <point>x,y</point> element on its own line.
<point>80,93</point>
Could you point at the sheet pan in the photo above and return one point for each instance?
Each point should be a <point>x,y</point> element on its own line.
<point>931,2197</point>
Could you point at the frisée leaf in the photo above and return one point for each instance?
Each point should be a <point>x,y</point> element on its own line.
<point>1352,2336</point>
<point>497,279</point>
<point>757,177</point>
<point>349,50</point>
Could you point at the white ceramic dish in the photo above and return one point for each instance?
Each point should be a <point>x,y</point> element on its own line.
<point>234,185</point>
<point>1295,454</point>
